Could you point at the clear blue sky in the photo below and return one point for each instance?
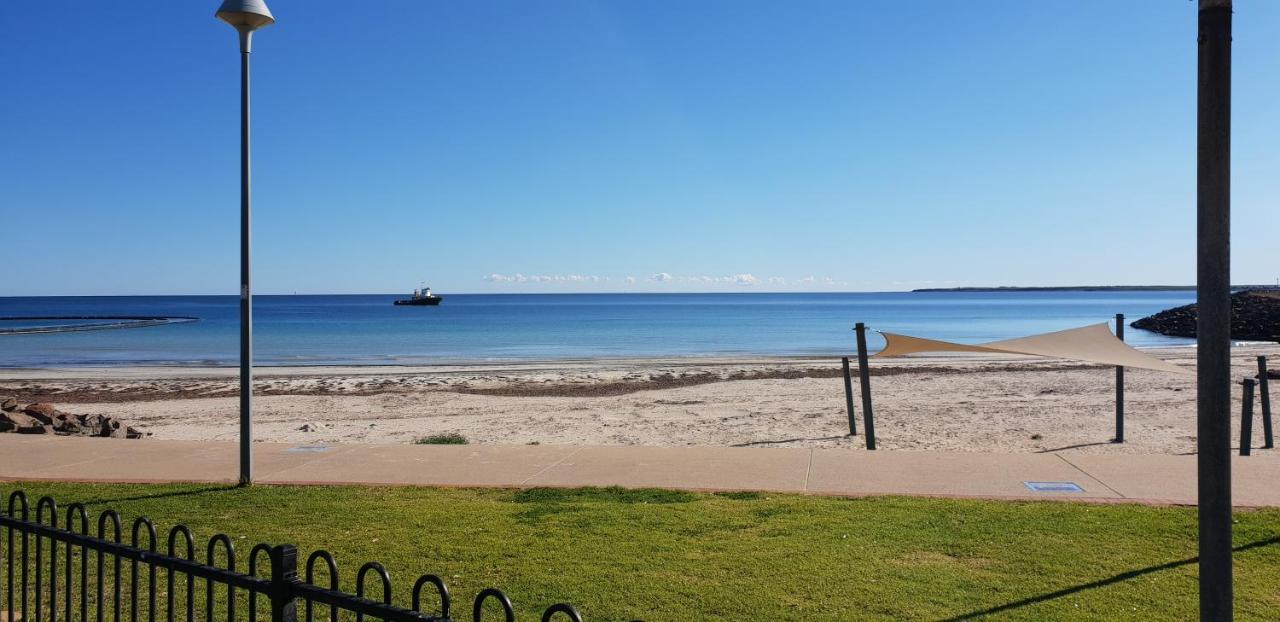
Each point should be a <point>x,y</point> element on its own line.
<point>664,145</point>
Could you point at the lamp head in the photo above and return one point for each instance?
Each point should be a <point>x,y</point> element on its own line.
<point>245,16</point>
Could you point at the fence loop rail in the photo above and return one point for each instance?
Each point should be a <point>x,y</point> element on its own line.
<point>332,569</point>
<point>62,585</point>
<point>441,590</point>
<point>477,612</point>
<point>567,610</point>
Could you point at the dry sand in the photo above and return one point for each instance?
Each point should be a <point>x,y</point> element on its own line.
<point>967,403</point>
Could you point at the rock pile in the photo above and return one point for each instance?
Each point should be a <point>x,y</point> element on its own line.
<point>1255,316</point>
<point>45,419</point>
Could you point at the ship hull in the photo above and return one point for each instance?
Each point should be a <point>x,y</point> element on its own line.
<point>420,302</point>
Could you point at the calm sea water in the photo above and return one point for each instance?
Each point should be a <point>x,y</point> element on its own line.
<point>323,330</point>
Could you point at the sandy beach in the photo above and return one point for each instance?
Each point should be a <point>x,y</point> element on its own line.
<point>967,403</point>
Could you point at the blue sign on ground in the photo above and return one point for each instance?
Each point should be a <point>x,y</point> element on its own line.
<point>1053,486</point>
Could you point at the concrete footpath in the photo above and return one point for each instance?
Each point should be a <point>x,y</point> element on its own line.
<point>1160,479</point>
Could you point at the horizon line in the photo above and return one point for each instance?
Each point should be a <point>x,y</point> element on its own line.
<point>958,289</point>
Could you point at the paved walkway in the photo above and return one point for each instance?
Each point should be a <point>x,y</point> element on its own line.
<point>1103,478</point>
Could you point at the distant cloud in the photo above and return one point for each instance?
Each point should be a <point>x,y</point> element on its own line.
<point>777,280</point>
<point>732,279</point>
<point>544,278</point>
<point>744,279</point>
<point>825,281</point>
<point>631,280</point>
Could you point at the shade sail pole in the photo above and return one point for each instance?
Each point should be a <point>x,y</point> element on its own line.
<point>864,383</point>
<point>1213,302</point>
<point>1119,438</point>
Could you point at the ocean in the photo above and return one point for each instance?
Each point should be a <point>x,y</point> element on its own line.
<point>475,328</point>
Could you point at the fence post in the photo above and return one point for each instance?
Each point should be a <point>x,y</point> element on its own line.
<point>1119,384</point>
<point>864,382</point>
<point>1264,396</point>
<point>848,397</point>
<point>284,573</point>
<point>1246,419</point>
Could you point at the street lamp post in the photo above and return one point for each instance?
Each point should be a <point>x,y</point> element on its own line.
<point>245,16</point>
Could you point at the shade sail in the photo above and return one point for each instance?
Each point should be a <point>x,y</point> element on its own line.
<point>1093,344</point>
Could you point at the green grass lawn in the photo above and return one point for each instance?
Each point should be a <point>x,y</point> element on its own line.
<point>662,555</point>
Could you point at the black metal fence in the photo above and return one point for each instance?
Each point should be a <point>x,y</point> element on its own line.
<point>48,576</point>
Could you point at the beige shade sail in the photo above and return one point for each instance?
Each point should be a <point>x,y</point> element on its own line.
<point>1093,344</point>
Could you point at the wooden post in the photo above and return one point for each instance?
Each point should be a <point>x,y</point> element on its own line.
<point>1213,302</point>
<point>1246,419</point>
<point>1264,395</point>
<point>1119,385</point>
<point>864,381</point>
<point>848,397</point>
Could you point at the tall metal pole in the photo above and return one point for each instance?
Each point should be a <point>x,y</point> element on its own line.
<point>246,297</point>
<point>1120,384</point>
<point>1213,300</point>
<point>245,16</point>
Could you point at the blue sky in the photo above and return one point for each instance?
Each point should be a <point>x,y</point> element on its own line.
<point>664,145</point>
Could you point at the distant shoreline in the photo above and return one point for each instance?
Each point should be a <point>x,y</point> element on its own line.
<point>1085,288</point>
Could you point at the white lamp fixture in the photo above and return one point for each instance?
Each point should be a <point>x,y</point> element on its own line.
<point>245,16</point>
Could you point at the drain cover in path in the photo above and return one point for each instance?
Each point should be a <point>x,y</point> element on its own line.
<point>1053,486</point>
<point>309,449</point>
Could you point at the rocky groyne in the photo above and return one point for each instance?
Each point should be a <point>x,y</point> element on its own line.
<point>1255,316</point>
<point>45,419</point>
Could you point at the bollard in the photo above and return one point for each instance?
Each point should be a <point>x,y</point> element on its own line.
<point>1246,419</point>
<point>1264,396</point>
<point>864,380</point>
<point>848,397</point>
<point>1119,385</point>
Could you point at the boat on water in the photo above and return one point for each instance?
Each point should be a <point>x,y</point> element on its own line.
<point>421,298</point>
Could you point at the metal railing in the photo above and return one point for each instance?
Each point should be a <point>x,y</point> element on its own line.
<point>47,577</point>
